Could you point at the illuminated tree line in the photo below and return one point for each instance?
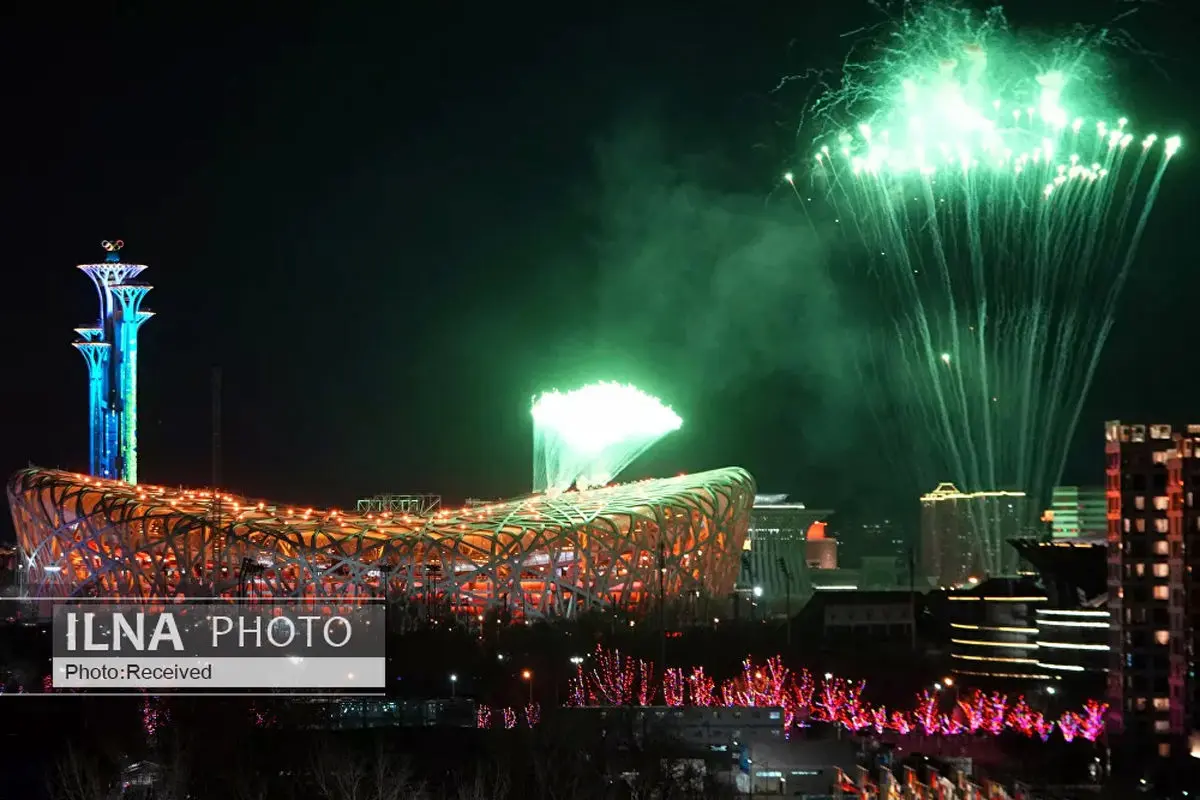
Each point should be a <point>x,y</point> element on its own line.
<point>622,680</point>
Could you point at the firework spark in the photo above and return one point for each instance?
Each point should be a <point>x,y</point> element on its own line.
<point>987,181</point>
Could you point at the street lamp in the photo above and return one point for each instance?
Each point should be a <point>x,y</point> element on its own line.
<point>787,598</point>
<point>527,676</point>
<point>453,685</point>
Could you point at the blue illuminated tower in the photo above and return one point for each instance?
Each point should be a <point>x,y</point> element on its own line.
<point>110,350</point>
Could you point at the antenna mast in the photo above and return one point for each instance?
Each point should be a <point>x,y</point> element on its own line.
<point>216,427</point>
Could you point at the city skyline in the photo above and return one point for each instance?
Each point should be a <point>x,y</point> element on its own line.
<point>777,398</point>
<point>319,258</point>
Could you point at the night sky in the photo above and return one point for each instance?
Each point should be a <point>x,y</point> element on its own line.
<point>390,228</point>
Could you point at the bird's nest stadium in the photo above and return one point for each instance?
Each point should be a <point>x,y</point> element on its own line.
<point>629,546</point>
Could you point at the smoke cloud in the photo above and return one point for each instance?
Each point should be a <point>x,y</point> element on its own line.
<point>732,292</point>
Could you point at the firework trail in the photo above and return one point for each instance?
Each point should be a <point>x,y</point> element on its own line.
<point>1000,202</point>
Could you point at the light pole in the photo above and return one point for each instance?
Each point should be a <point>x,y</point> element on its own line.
<point>748,569</point>
<point>662,602</point>
<point>787,600</point>
<point>754,609</point>
<point>527,676</point>
<point>912,594</point>
<point>453,685</point>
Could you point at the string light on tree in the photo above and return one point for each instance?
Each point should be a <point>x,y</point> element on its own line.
<point>805,700</point>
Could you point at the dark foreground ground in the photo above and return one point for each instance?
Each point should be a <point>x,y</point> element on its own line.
<point>217,748</point>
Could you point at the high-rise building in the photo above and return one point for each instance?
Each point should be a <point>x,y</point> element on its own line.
<point>966,535</point>
<point>1078,511</point>
<point>1154,589</point>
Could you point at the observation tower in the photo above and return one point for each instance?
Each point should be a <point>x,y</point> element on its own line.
<point>110,349</point>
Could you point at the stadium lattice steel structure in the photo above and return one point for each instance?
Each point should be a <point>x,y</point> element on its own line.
<point>538,556</point>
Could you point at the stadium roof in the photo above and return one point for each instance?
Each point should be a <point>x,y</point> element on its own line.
<point>548,553</point>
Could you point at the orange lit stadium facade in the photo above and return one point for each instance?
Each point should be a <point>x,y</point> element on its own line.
<point>540,556</point>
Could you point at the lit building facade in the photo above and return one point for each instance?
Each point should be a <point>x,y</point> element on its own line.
<point>110,348</point>
<point>865,615</point>
<point>778,551</point>
<point>1153,481</point>
<point>993,630</point>
<point>1078,511</point>
<point>820,549</point>
<point>1073,626</point>
<point>1073,642</point>
<point>966,535</point>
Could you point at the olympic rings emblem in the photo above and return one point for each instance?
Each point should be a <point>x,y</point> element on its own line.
<point>112,247</point>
